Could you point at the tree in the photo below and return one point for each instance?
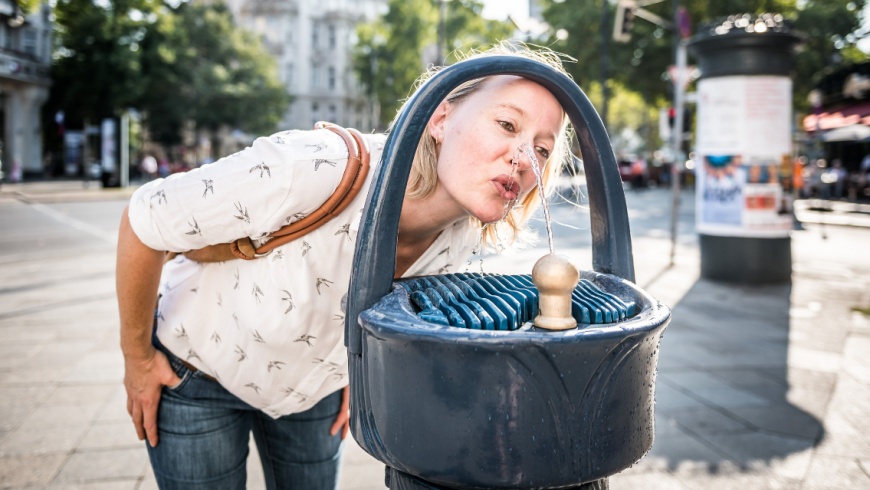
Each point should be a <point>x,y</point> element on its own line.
<point>198,67</point>
<point>95,71</point>
<point>830,27</point>
<point>388,57</point>
<point>173,64</point>
<point>641,64</point>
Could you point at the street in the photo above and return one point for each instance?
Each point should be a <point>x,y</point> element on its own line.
<point>759,387</point>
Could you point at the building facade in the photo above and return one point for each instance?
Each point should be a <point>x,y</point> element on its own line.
<point>25,59</point>
<point>312,42</point>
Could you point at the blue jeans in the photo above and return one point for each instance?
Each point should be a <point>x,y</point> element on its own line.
<point>204,432</point>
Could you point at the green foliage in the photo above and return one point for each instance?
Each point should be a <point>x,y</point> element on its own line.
<point>28,6</point>
<point>187,63</point>
<point>829,26</point>
<point>388,56</point>
<point>640,65</point>
<point>95,71</point>
<point>466,29</point>
<point>197,66</point>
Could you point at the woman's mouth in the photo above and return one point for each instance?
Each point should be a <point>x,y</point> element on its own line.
<point>507,187</point>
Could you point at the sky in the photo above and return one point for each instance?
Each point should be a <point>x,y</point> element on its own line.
<point>500,9</point>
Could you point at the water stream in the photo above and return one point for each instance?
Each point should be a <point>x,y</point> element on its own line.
<point>536,167</point>
<point>527,150</point>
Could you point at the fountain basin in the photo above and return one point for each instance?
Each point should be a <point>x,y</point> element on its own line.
<point>525,408</point>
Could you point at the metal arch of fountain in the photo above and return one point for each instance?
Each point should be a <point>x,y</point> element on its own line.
<point>483,409</point>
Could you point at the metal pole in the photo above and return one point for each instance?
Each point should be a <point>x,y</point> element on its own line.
<point>125,149</point>
<point>605,60</point>
<point>677,139</point>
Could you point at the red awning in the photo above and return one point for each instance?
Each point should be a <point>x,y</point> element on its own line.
<point>856,114</point>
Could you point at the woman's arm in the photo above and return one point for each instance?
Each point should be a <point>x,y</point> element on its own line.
<point>146,370</point>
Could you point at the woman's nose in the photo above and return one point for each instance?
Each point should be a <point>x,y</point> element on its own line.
<point>521,159</point>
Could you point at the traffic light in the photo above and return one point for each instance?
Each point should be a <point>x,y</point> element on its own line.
<point>687,120</point>
<point>624,21</point>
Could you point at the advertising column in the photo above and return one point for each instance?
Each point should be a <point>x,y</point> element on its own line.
<point>743,148</point>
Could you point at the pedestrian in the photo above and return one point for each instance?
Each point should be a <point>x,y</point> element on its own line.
<point>149,167</point>
<point>256,346</point>
<point>834,180</point>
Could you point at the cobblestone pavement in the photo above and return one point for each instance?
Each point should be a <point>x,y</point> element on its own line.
<point>759,387</point>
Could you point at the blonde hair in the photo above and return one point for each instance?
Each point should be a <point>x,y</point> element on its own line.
<point>423,177</point>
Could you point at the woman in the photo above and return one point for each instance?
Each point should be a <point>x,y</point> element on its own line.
<point>257,346</point>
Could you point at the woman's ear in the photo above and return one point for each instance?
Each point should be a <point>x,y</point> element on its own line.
<point>438,120</point>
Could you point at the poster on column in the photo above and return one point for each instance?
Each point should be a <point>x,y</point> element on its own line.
<point>743,145</point>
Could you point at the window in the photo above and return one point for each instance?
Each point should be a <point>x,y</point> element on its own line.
<point>28,43</point>
<point>315,76</point>
<point>315,34</point>
<point>331,30</point>
<point>288,75</point>
<point>332,113</point>
<point>315,113</point>
<point>331,78</point>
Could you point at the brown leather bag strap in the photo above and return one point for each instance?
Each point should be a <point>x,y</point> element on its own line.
<point>355,173</point>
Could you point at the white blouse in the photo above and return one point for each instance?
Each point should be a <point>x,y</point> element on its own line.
<point>271,330</point>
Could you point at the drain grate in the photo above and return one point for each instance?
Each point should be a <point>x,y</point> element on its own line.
<point>504,302</point>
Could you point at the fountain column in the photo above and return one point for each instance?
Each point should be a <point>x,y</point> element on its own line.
<point>743,148</point>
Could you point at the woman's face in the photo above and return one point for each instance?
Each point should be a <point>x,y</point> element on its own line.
<point>480,167</point>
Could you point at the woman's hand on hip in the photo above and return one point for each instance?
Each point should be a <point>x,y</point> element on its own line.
<point>144,378</point>
<point>342,420</point>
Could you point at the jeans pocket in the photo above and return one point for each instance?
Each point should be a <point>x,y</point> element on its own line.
<point>185,375</point>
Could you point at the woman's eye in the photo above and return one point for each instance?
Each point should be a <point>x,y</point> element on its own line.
<point>506,125</point>
<point>544,152</point>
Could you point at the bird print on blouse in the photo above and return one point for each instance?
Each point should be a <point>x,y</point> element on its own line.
<point>180,332</point>
<point>194,227</point>
<point>243,212</point>
<point>257,293</point>
<point>257,337</point>
<point>236,275</point>
<point>295,394</point>
<point>215,337</point>
<point>191,354</point>
<point>317,147</point>
<point>160,195</point>
<point>345,229</point>
<point>263,168</point>
<point>278,255</point>
<point>295,217</point>
<point>209,186</point>
<point>320,161</point>
<point>241,353</point>
<point>322,282</point>
<point>306,338</point>
<point>236,319</point>
<point>220,300</point>
<point>305,248</point>
<point>274,364</point>
<point>278,139</point>
<point>289,299</point>
<point>254,387</point>
<point>327,365</point>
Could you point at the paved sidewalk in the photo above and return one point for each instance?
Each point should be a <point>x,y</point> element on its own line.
<point>760,387</point>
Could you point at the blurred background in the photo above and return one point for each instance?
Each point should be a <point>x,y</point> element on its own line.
<point>186,82</point>
<point>762,383</point>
